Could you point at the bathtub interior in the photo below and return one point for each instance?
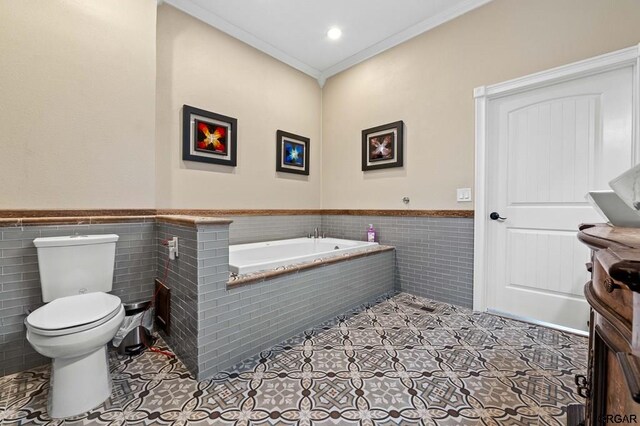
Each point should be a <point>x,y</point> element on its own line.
<point>253,257</point>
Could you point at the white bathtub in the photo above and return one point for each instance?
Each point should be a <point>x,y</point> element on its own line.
<point>246,258</point>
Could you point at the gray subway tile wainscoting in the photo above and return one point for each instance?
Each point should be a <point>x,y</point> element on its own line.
<point>253,229</point>
<point>215,327</point>
<point>434,255</point>
<point>135,269</point>
<point>182,279</point>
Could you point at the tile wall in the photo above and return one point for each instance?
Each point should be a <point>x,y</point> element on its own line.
<point>181,276</point>
<point>434,256</point>
<point>252,229</point>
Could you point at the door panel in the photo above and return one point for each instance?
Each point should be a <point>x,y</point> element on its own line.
<point>544,273</point>
<point>547,148</point>
<point>542,150</point>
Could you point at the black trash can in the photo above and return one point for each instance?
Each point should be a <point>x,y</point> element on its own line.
<point>139,338</point>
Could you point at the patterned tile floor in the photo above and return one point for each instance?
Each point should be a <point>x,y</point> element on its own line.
<point>405,360</point>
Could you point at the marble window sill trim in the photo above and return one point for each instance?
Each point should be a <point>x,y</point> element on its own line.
<point>260,276</point>
<point>193,221</point>
<point>17,217</point>
<point>329,212</point>
<point>197,217</point>
<point>71,220</point>
<point>401,213</point>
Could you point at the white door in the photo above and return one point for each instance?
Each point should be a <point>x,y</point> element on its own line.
<point>546,148</point>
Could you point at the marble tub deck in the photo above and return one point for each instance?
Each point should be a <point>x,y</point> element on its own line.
<point>404,360</point>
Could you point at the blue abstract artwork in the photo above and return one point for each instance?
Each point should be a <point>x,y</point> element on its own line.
<point>294,154</point>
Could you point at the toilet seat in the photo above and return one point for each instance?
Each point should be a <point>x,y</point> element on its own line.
<point>73,314</point>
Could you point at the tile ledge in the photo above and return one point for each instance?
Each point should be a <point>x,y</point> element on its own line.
<point>192,220</point>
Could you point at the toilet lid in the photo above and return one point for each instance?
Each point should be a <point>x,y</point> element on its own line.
<point>73,311</point>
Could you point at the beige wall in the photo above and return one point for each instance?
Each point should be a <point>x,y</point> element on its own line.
<point>428,83</point>
<point>200,66</point>
<point>78,106</point>
<point>77,99</point>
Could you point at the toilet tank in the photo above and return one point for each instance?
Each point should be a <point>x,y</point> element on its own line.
<point>76,264</point>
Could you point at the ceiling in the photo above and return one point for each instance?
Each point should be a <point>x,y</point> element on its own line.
<point>295,31</point>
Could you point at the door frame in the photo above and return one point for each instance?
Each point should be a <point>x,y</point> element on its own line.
<point>610,61</point>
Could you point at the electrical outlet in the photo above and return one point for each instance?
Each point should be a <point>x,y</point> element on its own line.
<point>173,248</point>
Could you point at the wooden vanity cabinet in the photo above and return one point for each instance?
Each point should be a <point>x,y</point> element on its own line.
<point>612,383</point>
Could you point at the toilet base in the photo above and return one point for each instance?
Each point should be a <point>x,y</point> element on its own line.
<point>79,384</point>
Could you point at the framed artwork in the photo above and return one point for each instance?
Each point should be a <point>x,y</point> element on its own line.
<point>292,153</point>
<point>382,146</point>
<point>208,137</point>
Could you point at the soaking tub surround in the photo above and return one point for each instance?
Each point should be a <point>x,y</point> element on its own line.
<point>216,325</point>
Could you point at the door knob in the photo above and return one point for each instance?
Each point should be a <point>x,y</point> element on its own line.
<point>496,216</point>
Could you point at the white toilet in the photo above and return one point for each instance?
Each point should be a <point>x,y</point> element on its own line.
<point>78,321</point>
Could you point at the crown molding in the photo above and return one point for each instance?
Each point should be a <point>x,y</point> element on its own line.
<point>191,8</point>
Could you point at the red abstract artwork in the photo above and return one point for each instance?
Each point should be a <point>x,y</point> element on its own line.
<point>211,138</point>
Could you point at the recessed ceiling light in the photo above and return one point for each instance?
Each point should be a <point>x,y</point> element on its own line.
<point>334,33</point>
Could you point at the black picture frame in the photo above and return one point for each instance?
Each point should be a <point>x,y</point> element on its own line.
<point>284,161</point>
<point>388,141</point>
<point>196,124</point>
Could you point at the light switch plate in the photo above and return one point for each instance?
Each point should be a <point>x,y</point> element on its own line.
<point>464,194</point>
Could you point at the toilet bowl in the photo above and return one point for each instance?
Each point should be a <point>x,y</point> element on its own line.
<point>74,331</point>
